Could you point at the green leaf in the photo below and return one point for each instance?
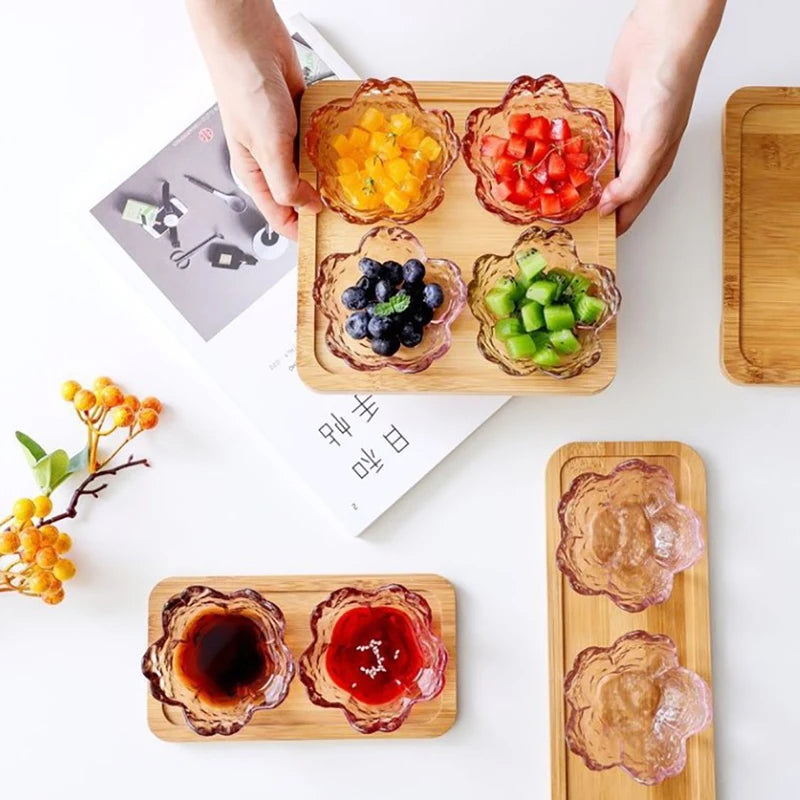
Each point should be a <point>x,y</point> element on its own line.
<point>33,450</point>
<point>80,461</point>
<point>394,305</point>
<point>52,470</point>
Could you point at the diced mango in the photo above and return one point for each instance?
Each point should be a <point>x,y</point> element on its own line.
<point>344,166</point>
<point>430,148</point>
<point>400,123</point>
<point>372,119</point>
<point>412,138</point>
<point>350,182</point>
<point>397,169</point>
<point>419,166</point>
<point>390,150</point>
<point>377,140</point>
<point>384,184</point>
<point>358,138</point>
<point>412,186</point>
<point>397,201</point>
<point>341,145</point>
<point>374,166</point>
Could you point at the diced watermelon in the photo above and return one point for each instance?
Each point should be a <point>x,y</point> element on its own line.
<point>523,193</point>
<point>551,205</point>
<point>526,167</point>
<point>493,146</point>
<point>536,204</point>
<point>503,191</point>
<point>578,177</point>
<point>574,145</point>
<point>556,167</point>
<point>559,130</point>
<point>569,196</point>
<point>504,168</point>
<point>540,173</point>
<point>548,189</point>
<point>577,160</point>
<point>518,123</point>
<point>539,129</point>
<point>538,151</point>
<point>517,146</point>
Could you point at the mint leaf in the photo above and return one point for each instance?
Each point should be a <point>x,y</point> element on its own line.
<point>394,305</point>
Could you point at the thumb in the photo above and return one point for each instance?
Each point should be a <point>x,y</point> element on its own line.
<point>635,176</point>
<point>275,157</point>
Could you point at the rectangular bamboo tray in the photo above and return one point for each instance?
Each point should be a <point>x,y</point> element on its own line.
<point>297,717</point>
<point>461,230</point>
<point>760,339</point>
<point>578,621</point>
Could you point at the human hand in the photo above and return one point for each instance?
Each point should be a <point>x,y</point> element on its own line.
<point>258,81</point>
<point>653,75</point>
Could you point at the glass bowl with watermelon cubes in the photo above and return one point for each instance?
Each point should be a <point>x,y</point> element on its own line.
<point>387,303</point>
<point>536,156</point>
<point>540,308</point>
<point>380,155</point>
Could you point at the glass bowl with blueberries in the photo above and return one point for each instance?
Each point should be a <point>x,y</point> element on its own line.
<point>387,303</point>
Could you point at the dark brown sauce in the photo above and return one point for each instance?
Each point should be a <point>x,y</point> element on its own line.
<point>223,657</point>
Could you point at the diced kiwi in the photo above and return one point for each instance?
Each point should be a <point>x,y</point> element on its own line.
<point>577,286</point>
<point>541,339</point>
<point>559,317</point>
<point>520,347</point>
<point>542,292</point>
<point>565,341</point>
<point>532,316</point>
<point>509,286</point>
<point>589,309</point>
<point>531,263</point>
<point>546,357</point>
<point>500,303</point>
<point>505,328</point>
<point>561,278</point>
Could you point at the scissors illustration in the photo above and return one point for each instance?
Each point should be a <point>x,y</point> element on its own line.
<point>182,257</point>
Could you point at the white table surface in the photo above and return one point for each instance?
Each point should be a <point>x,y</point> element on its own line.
<point>78,78</point>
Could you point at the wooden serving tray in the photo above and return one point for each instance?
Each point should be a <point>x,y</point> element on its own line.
<point>461,230</point>
<point>578,621</point>
<point>760,339</point>
<point>297,717</point>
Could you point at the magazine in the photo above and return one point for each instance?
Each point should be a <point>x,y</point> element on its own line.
<point>202,256</point>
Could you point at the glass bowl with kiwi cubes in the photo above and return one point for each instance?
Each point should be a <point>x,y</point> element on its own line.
<point>388,304</point>
<point>540,308</point>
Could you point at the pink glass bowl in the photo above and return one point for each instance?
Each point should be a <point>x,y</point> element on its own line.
<point>391,96</point>
<point>548,97</point>
<point>340,270</point>
<point>625,535</point>
<point>168,684</point>
<point>633,706</point>
<point>558,247</point>
<point>366,717</point>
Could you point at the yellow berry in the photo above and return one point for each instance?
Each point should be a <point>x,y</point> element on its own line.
<point>48,534</point>
<point>39,583</point>
<point>111,396</point>
<point>43,505</point>
<point>53,597</point>
<point>102,382</point>
<point>64,569</point>
<point>23,509</point>
<point>9,543</point>
<point>123,416</point>
<point>63,544</point>
<point>30,539</point>
<point>148,418</point>
<point>85,400</point>
<point>28,554</point>
<point>154,403</point>
<point>69,389</point>
<point>132,401</point>
<point>46,558</point>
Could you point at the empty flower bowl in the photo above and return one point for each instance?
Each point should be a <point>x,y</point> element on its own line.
<point>374,655</point>
<point>558,339</point>
<point>625,535</point>
<point>354,336</point>
<point>222,658</point>
<point>633,706</point>
<point>536,156</point>
<point>380,154</point>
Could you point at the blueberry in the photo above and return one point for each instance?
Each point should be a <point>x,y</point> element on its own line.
<point>365,283</point>
<point>384,290</point>
<point>422,315</point>
<point>356,325</point>
<point>433,295</point>
<point>411,335</point>
<point>393,272</point>
<point>381,327</point>
<point>370,267</point>
<point>413,271</point>
<point>370,309</point>
<point>354,298</point>
<point>386,347</point>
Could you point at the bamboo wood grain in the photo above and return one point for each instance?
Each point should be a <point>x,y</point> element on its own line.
<point>577,621</point>
<point>461,230</point>
<point>760,336</point>
<point>297,717</point>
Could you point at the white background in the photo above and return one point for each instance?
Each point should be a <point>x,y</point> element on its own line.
<point>80,77</point>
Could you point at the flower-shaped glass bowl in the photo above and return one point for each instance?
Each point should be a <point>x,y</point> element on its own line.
<point>221,658</point>
<point>558,247</point>
<point>548,97</point>
<point>382,639</point>
<point>633,706</point>
<point>340,270</point>
<point>391,96</point>
<point>625,535</point>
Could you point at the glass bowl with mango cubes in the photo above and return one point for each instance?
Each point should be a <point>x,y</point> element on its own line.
<point>380,155</point>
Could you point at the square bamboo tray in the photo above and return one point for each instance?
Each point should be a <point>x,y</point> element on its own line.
<point>461,230</point>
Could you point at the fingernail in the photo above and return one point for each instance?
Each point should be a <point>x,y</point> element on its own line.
<point>605,209</point>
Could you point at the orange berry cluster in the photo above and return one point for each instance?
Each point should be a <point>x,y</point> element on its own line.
<point>31,553</point>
